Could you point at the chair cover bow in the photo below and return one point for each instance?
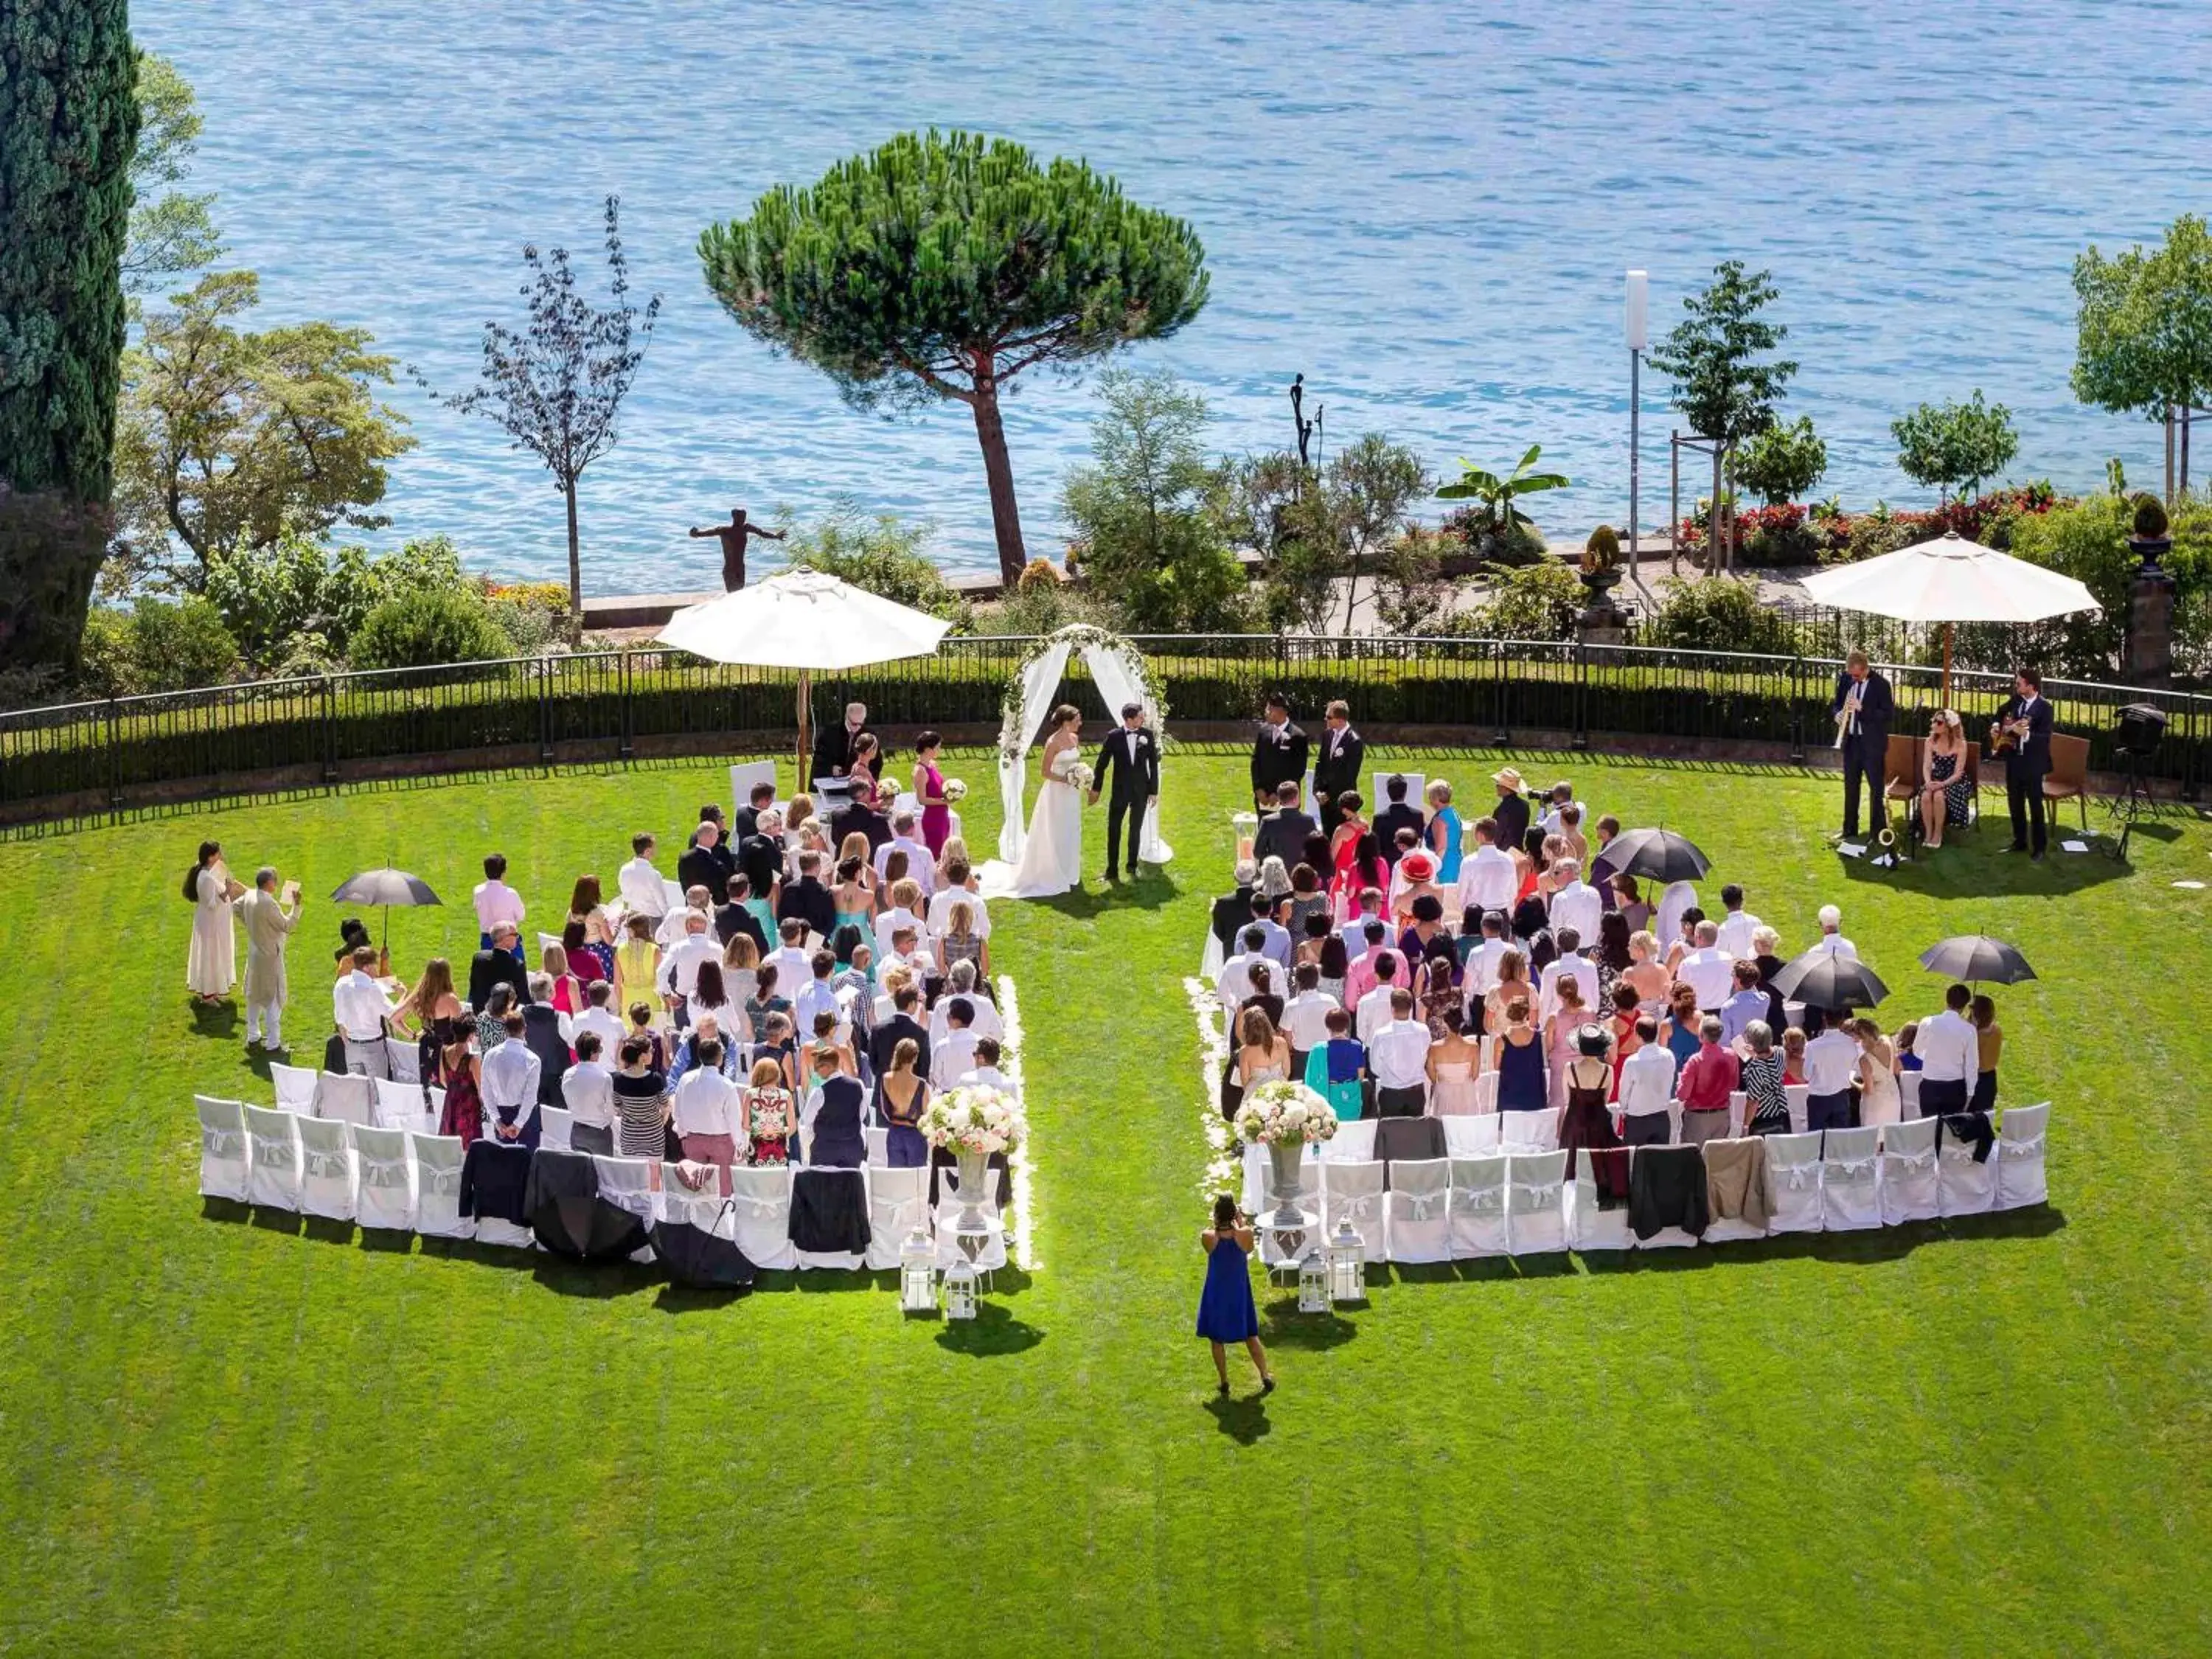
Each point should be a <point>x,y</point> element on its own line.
<point>445,1181</point>
<point>1480,1198</point>
<point>383,1171</point>
<point>1799,1175</point>
<point>225,1144</point>
<point>1917,1162</point>
<point>1420,1202</point>
<point>2032,1147</point>
<point>1539,1194</point>
<point>327,1164</point>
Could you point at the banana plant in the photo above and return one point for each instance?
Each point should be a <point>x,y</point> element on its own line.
<point>1497,495</point>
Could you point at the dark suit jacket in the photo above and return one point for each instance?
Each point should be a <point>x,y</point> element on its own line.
<point>491,968</point>
<point>760,857</point>
<point>1335,773</point>
<point>1390,821</point>
<point>866,820</point>
<point>1132,761</point>
<point>2032,759</point>
<point>886,1037</point>
<point>1231,913</point>
<point>1877,707</point>
<point>1274,763</point>
<point>833,752</point>
<point>1283,835</point>
<point>542,1032</point>
<point>709,867</point>
<point>731,919</point>
<point>808,898</point>
<point>1512,812</point>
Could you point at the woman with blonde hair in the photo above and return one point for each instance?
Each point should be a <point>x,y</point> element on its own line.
<point>637,963</point>
<point>1263,1056</point>
<point>567,988</point>
<point>1512,985</point>
<point>1643,975</point>
<point>1945,791</point>
<point>960,942</point>
<point>1442,834</point>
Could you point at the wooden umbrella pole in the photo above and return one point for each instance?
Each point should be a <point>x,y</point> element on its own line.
<point>806,718</point>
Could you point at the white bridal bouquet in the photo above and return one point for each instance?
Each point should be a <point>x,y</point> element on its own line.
<point>1284,1115</point>
<point>955,792</point>
<point>1081,775</point>
<point>978,1119</point>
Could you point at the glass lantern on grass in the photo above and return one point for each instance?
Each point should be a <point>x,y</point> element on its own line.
<point>1347,1264</point>
<point>1313,1282</point>
<point>960,1290</point>
<point>918,1273</point>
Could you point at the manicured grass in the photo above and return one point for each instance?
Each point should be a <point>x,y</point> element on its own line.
<point>220,1436</point>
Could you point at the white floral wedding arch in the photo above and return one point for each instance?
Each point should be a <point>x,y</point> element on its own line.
<point>1120,671</point>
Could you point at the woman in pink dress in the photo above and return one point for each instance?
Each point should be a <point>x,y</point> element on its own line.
<point>1452,1063</point>
<point>1560,1047</point>
<point>929,793</point>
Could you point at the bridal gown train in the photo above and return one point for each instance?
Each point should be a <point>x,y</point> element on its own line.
<point>1051,857</point>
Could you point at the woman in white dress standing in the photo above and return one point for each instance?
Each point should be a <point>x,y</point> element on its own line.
<point>212,967</point>
<point>1879,1100</point>
<point>1051,857</point>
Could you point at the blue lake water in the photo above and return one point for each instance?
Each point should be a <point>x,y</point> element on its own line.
<point>1424,208</point>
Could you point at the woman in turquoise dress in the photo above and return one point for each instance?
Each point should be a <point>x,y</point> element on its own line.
<point>1336,1069</point>
<point>1443,833</point>
<point>1226,1311</point>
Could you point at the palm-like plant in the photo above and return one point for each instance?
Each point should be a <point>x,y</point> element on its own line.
<point>1498,495</point>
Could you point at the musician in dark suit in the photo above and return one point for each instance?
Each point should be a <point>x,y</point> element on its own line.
<point>1337,767</point>
<point>2023,726</point>
<point>1862,708</point>
<point>1279,754</point>
<point>1283,832</point>
<point>1130,758</point>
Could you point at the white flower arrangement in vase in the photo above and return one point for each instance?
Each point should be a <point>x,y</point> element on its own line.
<point>977,1120</point>
<point>1283,1114</point>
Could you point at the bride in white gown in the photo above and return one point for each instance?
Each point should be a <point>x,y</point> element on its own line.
<point>1051,857</point>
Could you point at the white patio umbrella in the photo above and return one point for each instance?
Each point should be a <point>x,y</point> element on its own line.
<point>807,620</point>
<point>1948,581</point>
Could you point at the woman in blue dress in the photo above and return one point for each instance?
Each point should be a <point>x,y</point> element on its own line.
<point>1227,1312</point>
<point>1522,1086</point>
<point>1443,832</point>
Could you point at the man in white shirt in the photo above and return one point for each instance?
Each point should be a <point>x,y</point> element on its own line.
<point>939,913</point>
<point>904,896</point>
<point>1562,796</point>
<point>1830,1059</point>
<point>495,902</point>
<point>791,962</point>
<point>1707,969</point>
<point>957,1053</point>
<point>679,965</point>
<point>1737,926</point>
<point>1481,977</point>
<point>1305,1017</point>
<point>983,1020</point>
<point>920,867</point>
<point>907,952</point>
<point>985,1073</point>
<point>705,1110</point>
<point>587,1090</point>
<point>1950,1054</point>
<point>1398,1054</point>
<point>510,1087</point>
<point>1570,964</point>
<point>1832,937</point>
<point>815,996</point>
<point>1575,903</point>
<point>1375,1010</point>
<point>1487,879</point>
<point>599,1017</point>
<point>1647,1084</point>
<point>676,924</point>
<point>363,1013</point>
<point>640,885</point>
<point>1234,983</point>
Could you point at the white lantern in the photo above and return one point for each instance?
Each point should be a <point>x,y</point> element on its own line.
<point>960,1290</point>
<point>918,1273</point>
<point>1347,1263</point>
<point>1313,1283</point>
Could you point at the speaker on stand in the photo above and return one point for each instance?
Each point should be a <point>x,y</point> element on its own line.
<point>2136,733</point>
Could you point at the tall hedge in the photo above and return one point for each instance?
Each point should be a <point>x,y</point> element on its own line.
<point>69,120</point>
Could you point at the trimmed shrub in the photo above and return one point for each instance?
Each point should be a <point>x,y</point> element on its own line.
<point>1537,602</point>
<point>157,645</point>
<point>1718,614</point>
<point>429,626</point>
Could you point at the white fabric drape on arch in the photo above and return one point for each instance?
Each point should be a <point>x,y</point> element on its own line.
<point>1117,684</point>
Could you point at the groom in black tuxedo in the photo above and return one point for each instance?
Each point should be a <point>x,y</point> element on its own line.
<point>1131,756</point>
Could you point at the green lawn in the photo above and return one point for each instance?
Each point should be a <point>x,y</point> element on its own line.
<point>222,1436</point>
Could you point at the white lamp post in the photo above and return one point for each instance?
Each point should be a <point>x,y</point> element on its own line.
<point>918,1273</point>
<point>1347,1263</point>
<point>1313,1282</point>
<point>1638,321</point>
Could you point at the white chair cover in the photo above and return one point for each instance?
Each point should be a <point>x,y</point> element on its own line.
<point>406,1060</point>
<point>1478,1206</point>
<point>326,1180</point>
<point>627,1184</point>
<point>1800,1095</point>
<point>295,1085</point>
<point>273,1147</point>
<point>384,1193</point>
<point>1418,1210</point>
<point>1793,1170</point>
<point>763,1215</point>
<point>898,1202</point>
<point>345,1096</point>
<point>491,1230</point>
<point>2020,1156</point>
<point>1908,1095</point>
<point>701,1207</point>
<point>554,1124</point>
<point>1588,1227</point>
<point>1851,1183</point>
<point>437,1160</point>
<point>1353,1192</point>
<point>878,1141</point>
<point>1485,1090</point>
<point>398,1104</point>
<point>1907,1178</point>
<point>1530,1132</point>
<point>1354,1143</point>
<point>1962,1185</point>
<point>1470,1137</point>
<point>1380,782</point>
<point>1535,1213</point>
<point>1739,1105</point>
<point>226,1164</point>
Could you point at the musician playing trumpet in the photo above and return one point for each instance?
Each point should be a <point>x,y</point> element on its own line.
<point>2021,733</point>
<point>1862,708</point>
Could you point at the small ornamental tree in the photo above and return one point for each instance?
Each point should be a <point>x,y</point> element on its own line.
<point>1955,445</point>
<point>942,265</point>
<point>2144,334</point>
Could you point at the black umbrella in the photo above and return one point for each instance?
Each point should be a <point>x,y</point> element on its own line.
<point>569,1216</point>
<point>386,887</point>
<point>1828,979</point>
<point>704,1260</point>
<point>1656,854</point>
<point>1977,957</point>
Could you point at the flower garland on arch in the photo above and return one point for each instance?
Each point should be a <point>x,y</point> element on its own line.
<point>1078,637</point>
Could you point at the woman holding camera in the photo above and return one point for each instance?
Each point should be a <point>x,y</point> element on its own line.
<point>1226,1311</point>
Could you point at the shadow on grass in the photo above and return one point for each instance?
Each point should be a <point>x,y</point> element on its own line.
<point>231,1210</point>
<point>692,1299</point>
<point>1150,892</point>
<point>1289,1328</point>
<point>216,1021</point>
<point>386,1241</point>
<point>1244,1421</point>
<point>267,1220</point>
<point>596,1281</point>
<point>992,1332</point>
<point>1983,869</point>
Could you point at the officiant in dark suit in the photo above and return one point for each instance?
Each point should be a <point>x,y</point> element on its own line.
<point>2027,714</point>
<point>1279,754</point>
<point>1130,758</point>
<point>1337,767</point>
<point>836,747</point>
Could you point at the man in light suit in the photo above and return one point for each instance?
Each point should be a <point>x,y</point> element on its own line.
<point>1337,767</point>
<point>268,928</point>
<point>1128,774</point>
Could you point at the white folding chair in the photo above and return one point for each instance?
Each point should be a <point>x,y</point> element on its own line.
<point>1353,1193</point>
<point>437,1160</point>
<point>1485,1090</point>
<point>1962,1185</point>
<point>627,1183</point>
<point>1906,1174</point>
<point>763,1215</point>
<point>1589,1227</point>
<point>1478,1206</point>
<point>898,1202</point>
<point>226,1164</point>
<point>1850,1185</point>
<point>1353,1143</point>
<point>1260,1201</point>
<point>384,1193</point>
<point>398,1104</point>
<point>295,1085</point>
<point>345,1097</point>
<point>273,1149</point>
<point>878,1141</point>
<point>326,1177</point>
<point>1793,1172</point>
<point>554,1123</point>
<point>743,774</point>
<point>1739,1107</point>
<point>1417,1211</point>
<point>1470,1137</point>
<point>1730,1228</point>
<point>1908,1095</point>
<point>2020,1135</point>
<point>1800,1095</point>
<point>1415,783</point>
<point>406,1060</point>
<point>1536,1211</point>
<point>1530,1132</point>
